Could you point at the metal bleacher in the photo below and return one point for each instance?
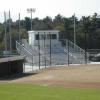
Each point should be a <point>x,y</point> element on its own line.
<point>59,54</point>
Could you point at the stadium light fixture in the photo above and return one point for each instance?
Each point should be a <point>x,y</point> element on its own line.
<point>31,10</point>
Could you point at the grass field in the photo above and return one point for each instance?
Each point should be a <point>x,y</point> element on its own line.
<point>80,82</point>
<point>36,92</point>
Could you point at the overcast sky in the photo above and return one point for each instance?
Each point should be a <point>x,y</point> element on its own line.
<point>50,7</point>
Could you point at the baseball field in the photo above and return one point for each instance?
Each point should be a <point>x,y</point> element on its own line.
<point>78,82</point>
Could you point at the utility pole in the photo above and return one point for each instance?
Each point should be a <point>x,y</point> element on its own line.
<point>50,47</point>
<point>74,31</point>
<point>85,47</point>
<point>31,10</point>
<point>5,26</point>
<point>19,28</point>
<point>68,47</point>
<point>10,33</point>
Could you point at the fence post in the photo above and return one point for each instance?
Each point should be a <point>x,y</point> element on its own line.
<point>68,50</point>
<point>50,48</point>
<point>85,49</point>
<point>44,51</point>
<point>24,66</point>
<point>39,48</point>
<point>32,62</point>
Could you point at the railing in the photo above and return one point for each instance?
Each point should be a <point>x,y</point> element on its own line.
<point>59,53</point>
<point>31,53</point>
<point>8,53</point>
<point>23,51</point>
<point>75,51</point>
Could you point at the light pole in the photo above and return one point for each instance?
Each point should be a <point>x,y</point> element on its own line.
<point>31,10</point>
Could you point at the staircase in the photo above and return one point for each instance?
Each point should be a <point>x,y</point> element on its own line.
<point>76,52</point>
<point>59,53</point>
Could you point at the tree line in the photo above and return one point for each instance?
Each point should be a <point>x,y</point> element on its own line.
<point>86,26</point>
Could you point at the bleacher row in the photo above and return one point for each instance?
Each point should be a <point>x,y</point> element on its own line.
<point>59,54</point>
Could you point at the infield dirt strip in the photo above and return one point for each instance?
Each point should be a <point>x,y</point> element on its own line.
<point>72,76</point>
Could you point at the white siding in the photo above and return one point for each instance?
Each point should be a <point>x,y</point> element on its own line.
<point>33,41</point>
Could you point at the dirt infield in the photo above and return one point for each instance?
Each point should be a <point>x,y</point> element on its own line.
<point>72,76</point>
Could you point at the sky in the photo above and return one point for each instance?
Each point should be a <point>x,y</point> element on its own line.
<point>49,8</point>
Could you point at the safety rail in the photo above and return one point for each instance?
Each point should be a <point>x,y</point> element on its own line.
<point>75,51</point>
<point>59,54</point>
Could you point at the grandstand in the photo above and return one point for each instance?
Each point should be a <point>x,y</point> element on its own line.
<point>45,49</point>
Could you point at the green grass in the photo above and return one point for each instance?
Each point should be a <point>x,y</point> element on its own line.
<point>33,92</point>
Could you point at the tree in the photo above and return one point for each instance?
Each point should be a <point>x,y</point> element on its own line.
<point>58,19</point>
<point>48,22</point>
<point>27,23</point>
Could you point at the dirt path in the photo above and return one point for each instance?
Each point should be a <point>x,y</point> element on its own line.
<point>72,76</point>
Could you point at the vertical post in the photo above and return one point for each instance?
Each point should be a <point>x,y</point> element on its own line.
<point>32,62</point>
<point>19,28</point>
<point>44,50</point>
<point>5,26</point>
<point>10,33</point>
<point>68,45</point>
<point>31,10</point>
<point>9,68</point>
<point>24,66</point>
<point>39,48</point>
<point>85,49</point>
<point>68,50</point>
<point>74,32</point>
<point>50,48</point>
<point>31,21</point>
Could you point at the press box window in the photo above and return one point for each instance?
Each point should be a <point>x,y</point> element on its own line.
<point>37,37</point>
<point>54,36</point>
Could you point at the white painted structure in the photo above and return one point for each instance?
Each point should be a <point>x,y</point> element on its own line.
<point>51,51</point>
<point>43,35</point>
